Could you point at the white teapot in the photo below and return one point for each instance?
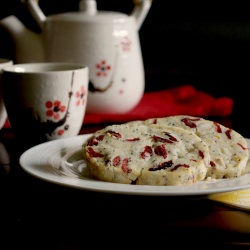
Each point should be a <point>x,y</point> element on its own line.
<point>107,42</point>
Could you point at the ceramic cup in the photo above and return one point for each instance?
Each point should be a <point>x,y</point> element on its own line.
<point>45,101</point>
<point>3,114</point>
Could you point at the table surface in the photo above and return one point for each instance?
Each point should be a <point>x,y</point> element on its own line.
<point>39,214</point>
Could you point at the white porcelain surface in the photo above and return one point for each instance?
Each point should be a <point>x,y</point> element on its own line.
<point>61,162</point>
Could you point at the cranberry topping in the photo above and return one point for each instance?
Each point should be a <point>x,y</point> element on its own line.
<point>190,122</point>
<point>163,165</point>
<point>116,161</point>
<point>118,135</point>
<point>161,151</point>
<point>160,139</point>
<point>93,153</point>
<point>228,133</point>
<point>147,151</point>
<point>125,168</point>
<point>218,128</point>
<point>133,139</point>
<point>178,166</point>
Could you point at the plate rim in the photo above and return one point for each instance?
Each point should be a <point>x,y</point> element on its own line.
<point>114,188</point>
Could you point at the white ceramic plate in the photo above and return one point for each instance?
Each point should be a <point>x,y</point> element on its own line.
<point>60,161</point>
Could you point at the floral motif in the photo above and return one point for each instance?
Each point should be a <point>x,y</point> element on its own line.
<point>61,131</point>
<point>102,68</point>
<point>126,44</point>
<point>81,96</point>
<point>55,109</point>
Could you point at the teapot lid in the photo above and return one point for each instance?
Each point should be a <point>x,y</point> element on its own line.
<point>88,12</point>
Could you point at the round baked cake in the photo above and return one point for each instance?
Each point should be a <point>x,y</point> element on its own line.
<point>228,149</point>
<point>153,154</point>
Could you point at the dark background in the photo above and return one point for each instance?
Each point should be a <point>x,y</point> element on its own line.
<point>206,44</point>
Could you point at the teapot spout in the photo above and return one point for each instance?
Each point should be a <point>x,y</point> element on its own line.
<point>140,11</point>
<point>28,45</point>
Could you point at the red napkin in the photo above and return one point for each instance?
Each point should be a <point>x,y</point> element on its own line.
<point>183,100</point>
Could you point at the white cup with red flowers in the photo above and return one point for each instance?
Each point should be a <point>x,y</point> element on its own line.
<point>45,100</point>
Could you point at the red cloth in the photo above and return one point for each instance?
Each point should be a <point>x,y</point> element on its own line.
<point>183,100</point>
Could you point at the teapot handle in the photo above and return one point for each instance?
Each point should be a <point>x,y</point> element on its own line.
<point>140,11</point>
<point>36,12</point>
